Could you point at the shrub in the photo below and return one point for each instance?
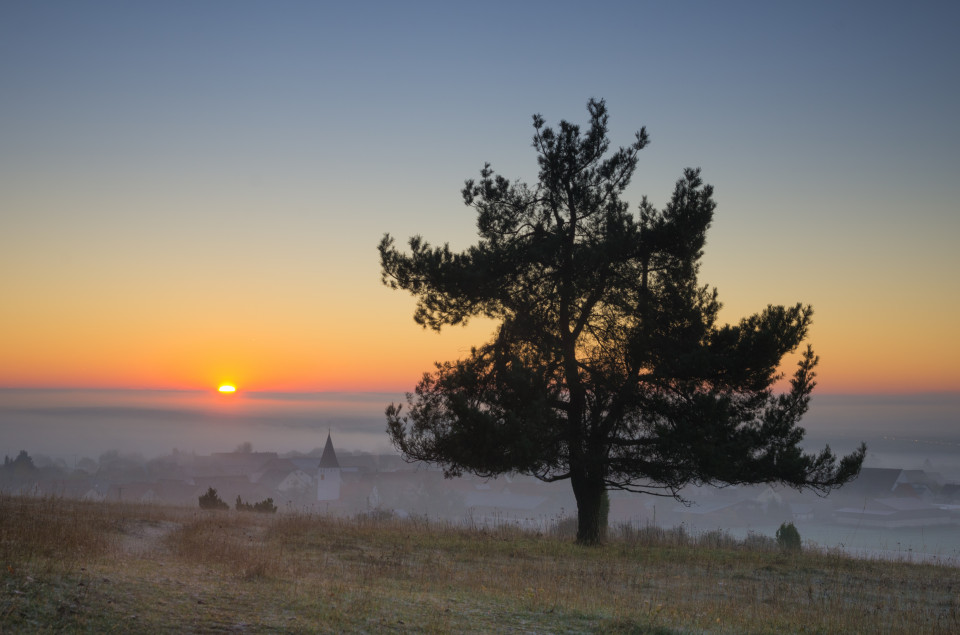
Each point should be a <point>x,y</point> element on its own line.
<point>265,506</point>
<point>788,537</point>
<point>211,500</point>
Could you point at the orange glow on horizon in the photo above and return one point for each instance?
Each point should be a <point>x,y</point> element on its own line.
<point>391,356</point>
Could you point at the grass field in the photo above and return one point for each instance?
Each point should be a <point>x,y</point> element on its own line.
<point>100,567</point>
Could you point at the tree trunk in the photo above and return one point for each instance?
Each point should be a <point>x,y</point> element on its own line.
<point>591,521</point>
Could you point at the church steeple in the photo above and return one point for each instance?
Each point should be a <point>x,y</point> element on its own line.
<point>329,458</point>
<point>328,474</point>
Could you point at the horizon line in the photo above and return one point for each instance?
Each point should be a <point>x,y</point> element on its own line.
<point>293,393</point>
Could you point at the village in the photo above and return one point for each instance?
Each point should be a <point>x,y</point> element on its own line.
<point>328,481</point>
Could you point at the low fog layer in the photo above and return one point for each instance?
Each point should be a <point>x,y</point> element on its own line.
<point>78,423</point>
<point>122,444</point>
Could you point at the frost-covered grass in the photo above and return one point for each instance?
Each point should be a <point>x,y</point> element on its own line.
<point>94,567</point>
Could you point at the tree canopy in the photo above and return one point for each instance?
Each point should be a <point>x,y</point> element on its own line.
<point>608,366</point>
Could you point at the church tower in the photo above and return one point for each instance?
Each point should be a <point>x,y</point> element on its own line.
<point>328,474</point>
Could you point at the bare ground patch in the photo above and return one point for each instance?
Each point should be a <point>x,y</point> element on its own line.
<point>145,537</point>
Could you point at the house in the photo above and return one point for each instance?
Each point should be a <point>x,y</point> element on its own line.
<point>950,493</point>
<point>96,494</point>
<point>922,483</point>
<point>296,481</point>
<point>286,476</point>
<point>306,464</point>
<point>872,482</point>
<point>366,463</point>
<point>895,512</point>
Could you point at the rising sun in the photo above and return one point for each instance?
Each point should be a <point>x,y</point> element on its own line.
<point>227,388</point>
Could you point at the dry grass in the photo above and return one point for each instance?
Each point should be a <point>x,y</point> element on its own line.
<point>109,567</point>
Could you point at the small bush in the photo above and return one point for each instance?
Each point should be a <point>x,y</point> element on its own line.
<point>265,506</point>
<point>788,537</point>
<point>211,500</point>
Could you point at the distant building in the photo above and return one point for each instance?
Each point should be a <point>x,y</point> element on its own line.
<point>873,482</point>
<point>328,474</point>
<point>896,512</point>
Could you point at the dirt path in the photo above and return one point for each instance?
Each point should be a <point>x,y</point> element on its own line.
<point>143,537</point>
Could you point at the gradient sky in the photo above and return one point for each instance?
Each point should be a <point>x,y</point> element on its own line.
<point>193,192</point>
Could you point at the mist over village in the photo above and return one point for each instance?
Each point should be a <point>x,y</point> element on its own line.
<point>905,501</point>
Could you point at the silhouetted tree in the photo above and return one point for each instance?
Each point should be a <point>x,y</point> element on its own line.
<point>607,367</point>
<point>23,462</point>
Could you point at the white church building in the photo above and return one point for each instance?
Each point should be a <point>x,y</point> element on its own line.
<point>328,474</point>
